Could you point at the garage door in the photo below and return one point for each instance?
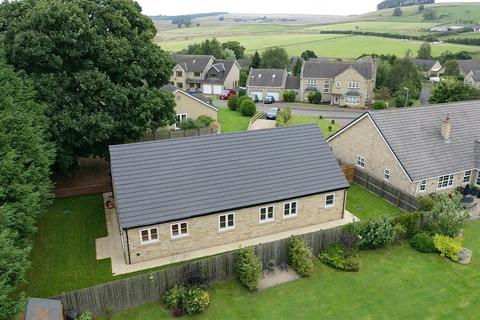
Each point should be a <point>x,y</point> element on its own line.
<point>276,95</point>
<point>207,88</point>
<point>217,89</point>
<point>258,93</point>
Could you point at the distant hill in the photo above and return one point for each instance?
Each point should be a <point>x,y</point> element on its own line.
<point>401,3</point>
<point>190,16</point>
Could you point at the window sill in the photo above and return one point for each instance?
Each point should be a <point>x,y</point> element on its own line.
<point>226,230</point>
<point>267,221</point>
<point>329,207</point>
<point>174,238</point>
<point>148,243</point>
<point>289,217</point>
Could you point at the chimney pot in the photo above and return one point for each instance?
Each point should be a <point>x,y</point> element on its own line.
<point>446,128</point>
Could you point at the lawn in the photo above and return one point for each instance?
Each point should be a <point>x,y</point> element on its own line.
<point>393,283</point>
<point>232,121</point>
<point>324,124</point>
<point>410,28</point>
<point>364,204</point>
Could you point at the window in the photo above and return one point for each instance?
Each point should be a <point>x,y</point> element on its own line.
<point>352,100</point>
<point>266,214</point>
<point>360,161</point>
<point>445,181</point>
<point>354,85</point>
<point>290,209</point>
<point>478,178</point>
<point>326,87</point>
<point>329,200</point>
<point>179,229</point>
<point>337,85</point>
<point>180,85</point>
<point>149,235</point>
<point>196,74</point>
<point>386,174</point>
<point>423,186</point>
<point>467,176</point>
<point>226,221</point>
<point>311,81</point>
<point>179,73</point>
<point>181,117</point>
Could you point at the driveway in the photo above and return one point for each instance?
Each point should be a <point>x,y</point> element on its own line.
<point>263,124</point>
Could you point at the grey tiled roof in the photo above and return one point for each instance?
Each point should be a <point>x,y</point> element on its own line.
<point>244,63</point>
<point>169,87</point>
<point>329,69</point>
<point>168,180</point>
<point>293,83</point>
<point>476,75</point>
<point>423,62</point>
<point>414,136</point>
<point>468,65</point>
<point>267,78</point>
<point>192,63</point>
<point>222,68</point>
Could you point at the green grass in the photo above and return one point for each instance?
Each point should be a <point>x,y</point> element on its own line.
<point>232,121</point>
<point>323,124</point>
<point>412,28</point>
<point>364,204</point>
<point>393,283</point>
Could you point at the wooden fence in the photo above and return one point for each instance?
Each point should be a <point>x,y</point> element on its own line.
<point>173,134</point>
<point>388,192</point>
<point>150,287</point>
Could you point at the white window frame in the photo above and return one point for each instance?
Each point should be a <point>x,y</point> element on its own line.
<point>180,234</point>
<point>386,175</point>
<point>183,117</point>
<point>449,179</point>
<point>290,214</point>
<point>422,186</point>
<point>326,87</point>
<point>477,182</point>
<point>353,85</point>
<point>467,177</point>
<point>337,85</point>
<point>360,161</point>
<point>150,240</point>
<point>267,219</point>
<point>312,81</point>
<point>227,227</point>
<point>333,200</point>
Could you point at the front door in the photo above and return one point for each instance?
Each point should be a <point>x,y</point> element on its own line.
<point>336,100</point>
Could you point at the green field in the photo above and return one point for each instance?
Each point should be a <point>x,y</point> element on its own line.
<point>410,28</point>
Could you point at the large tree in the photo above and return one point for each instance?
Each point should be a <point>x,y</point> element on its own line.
<point>308,54</point>
<point>425,51</point>
<point>402,74</point>
<point>452,68</point>
<point>256,60</point>
<point>236,47</point>
<point>25,160</point>
<point>275,58</point>
<point>450,89</point>
<point>95,65</point>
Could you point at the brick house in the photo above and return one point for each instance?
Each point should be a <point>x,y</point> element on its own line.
<point>340,83</point>
<point>184,195</point>
<point>418,150</point>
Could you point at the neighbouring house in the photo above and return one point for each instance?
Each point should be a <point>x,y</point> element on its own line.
<point>44,309</point>
<point>211,194</point>
<point>204,73</point>
<point>473,78</point>
<point>340,83</point>
<point>245,63</point>
<point>190,105</point>
<point>293,84</point>
<point>267,82</point>
<point>467,66</point>
<point>429,68</point>
<point>418,150</point>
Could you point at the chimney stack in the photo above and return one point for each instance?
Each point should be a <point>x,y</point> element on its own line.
<point>446,128</point>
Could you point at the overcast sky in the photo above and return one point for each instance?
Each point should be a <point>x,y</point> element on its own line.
<point>335,7</point>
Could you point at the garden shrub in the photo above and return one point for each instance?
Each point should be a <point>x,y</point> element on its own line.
<point>379,104</point>
<point>447,246</point>
<point>248,268</point>
<point>446,216</point>
<point>300,256</point>
<point>86,315</point>
<point>423,242</point>
<point>233,103</point>
<point>425,203</point>
<point>248,108</point>
<point>314,97</point>
<point>187,299</point>
<point>242,99</point>
<point>205,121</point>
<point>289,96</point>
<point>284,116</point>
<point>400,102</point>
<point>410,221</point>
<point>201,122</point>
<point>340,257</point>
<point>349,237</point>
<point>376,233</point>
<point>242,92</point>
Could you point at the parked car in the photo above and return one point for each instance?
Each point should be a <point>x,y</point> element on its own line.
<point>272,113</point>
<point>254,97</point>
<point>194,90</point>
<point>225,94</point>
<point>268,100</point>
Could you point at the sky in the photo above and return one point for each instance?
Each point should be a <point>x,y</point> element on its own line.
<point>323,7</point>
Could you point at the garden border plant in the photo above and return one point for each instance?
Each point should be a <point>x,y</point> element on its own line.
<point>300,256</point>
<point>248,268</point>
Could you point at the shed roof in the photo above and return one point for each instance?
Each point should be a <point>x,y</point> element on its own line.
<point>161,181</point>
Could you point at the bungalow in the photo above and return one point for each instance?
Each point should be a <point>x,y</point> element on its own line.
<point>429,68</point>
<point>420,151</point>
<point>216,192</point>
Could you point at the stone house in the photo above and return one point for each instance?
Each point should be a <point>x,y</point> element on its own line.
<point>473,78</point>
<point>467,66</point>
<point>181,196</point>
<point>267,82</point>
<point>418,150</point>
<point>204,73</point>
<point>190,106</point>
<point>340,83</point>
<point>429,68</point>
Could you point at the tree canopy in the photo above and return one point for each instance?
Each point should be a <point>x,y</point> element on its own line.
<point>425,51</point>
<point>95,66</point>
<point>256,60</point>
<point>275,58</point>
<point>236,47</point>
<point>308,54</point>
<point>399,75</point>
<point>450,89</point>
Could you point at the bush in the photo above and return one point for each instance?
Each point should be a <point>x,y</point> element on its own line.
<point>201,122</point>
<point>289,96</point>
<point>242,92</point>
<point>423,242</point>
<point>315,97</point>
<point>86,315</point>
<point>300,256</point>
<point>340,257</point>
<point>242,99</point>
<point>410,221</point>
<point>378,105</point>
<point>248,108</point>
<point>188,299</point>
<point>425,203</point>
<point>205,121</point>
<point>400,102</point>
<point>232,103</point>
<point>448,247</point>
<point>376,233</point>
<point>332,121</point>
<point>248,268</point>
<point>446,216</point>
